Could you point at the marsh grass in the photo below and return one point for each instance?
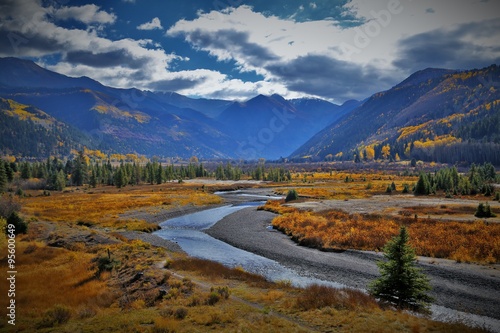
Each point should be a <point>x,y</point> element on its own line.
<point>104,207</point>
<point>460,241</point>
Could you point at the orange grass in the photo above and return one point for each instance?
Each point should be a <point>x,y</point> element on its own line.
<point>49,276</point>
<point>105,206</point>
<point>323,185</point>
<point>460,241</point>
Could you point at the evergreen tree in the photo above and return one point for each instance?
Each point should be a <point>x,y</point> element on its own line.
<point>484,210</point>
<point>401,283</point>
<point>25,171</point>
<point>291,195</point>
<point>159,174</point>
<point>9,172</point>
<point>93,178</point>
<point>423,186</point>
<point>20,227</point>
<point>80,170</point>
<point>120,177</point>
<point>60,182</point>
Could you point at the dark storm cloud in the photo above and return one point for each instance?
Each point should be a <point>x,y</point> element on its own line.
<point>328,77</point>
<point>176,84</point>
<point>454,49</point>
<point>232,41</point>
<point>106,59</point>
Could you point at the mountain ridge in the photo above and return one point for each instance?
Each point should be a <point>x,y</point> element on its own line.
<point>422,117</point>
<point>144,122</point>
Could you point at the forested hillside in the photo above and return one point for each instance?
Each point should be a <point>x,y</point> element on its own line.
<point>434,115</point>
<point>27,131</point>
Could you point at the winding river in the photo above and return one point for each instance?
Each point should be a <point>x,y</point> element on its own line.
<point>188,231</point>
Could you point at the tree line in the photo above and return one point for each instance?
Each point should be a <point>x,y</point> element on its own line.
<point>478,179</point>
<point>55,174</point>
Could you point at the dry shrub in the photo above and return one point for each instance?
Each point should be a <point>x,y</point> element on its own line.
<point>180,313</point>
<point>275,206</point>
<point>165,325</point>
<point>217,270</point>
<point>318,297</point>
<point>56,315</point>
<point>461,241</point>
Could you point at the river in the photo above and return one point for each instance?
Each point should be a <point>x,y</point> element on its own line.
<point>189,232</point>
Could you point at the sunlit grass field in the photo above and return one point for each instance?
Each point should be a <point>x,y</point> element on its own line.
<point>131,286</point>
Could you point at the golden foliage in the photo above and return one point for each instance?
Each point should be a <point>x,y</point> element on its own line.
<point>461,241</point>
<point>105,207</point>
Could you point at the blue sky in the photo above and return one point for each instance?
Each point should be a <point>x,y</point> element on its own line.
<point>234,49</point>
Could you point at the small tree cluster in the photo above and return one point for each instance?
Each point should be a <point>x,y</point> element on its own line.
<point>484,210</point>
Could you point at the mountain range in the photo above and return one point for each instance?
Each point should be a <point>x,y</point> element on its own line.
<point>435,114</point>
<point>152,123</point>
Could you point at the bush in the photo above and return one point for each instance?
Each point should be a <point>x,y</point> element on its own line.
<point>105,263</point>
<point>292,195</point>
<point>20,227</point>
<point>212,299</point>
<point>180,313</point>
<point>319,296</point>
<point>484,210</point>
<point>58,314</point>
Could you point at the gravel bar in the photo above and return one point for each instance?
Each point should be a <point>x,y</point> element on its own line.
<point>465,287</point>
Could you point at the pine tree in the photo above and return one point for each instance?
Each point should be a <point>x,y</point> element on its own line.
<point>79,173</point>
<point>60,182</point>
<point>423,186</point>
<point>401,283</point>
<point>20,227</point>
<point>159,174</point>
<point>291,195</point>
<point>25,171</point>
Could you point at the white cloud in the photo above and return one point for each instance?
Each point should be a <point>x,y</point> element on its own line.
<point>122,63</point>
<point>154,24</point>
<point>268,44</point>
<point>87,14</point>
<point>312,58</point>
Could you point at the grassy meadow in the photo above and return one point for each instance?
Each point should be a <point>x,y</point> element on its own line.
<point>92,279</point>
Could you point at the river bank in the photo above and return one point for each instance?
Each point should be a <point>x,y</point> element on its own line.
<point>463,287</point>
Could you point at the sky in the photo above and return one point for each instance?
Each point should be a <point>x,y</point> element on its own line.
<point>235,49</point>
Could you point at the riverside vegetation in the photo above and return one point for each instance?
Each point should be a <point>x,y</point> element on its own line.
<point>101,281</point>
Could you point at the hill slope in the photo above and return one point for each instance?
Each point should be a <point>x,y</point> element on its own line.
<point>124,120</point>
<point>28,131</point>
<point>435,115</point>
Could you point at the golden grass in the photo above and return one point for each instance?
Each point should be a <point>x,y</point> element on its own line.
<point>49,276</point>
<point>460,241</point>
<point>105,205</point>
<point>326,185</point>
